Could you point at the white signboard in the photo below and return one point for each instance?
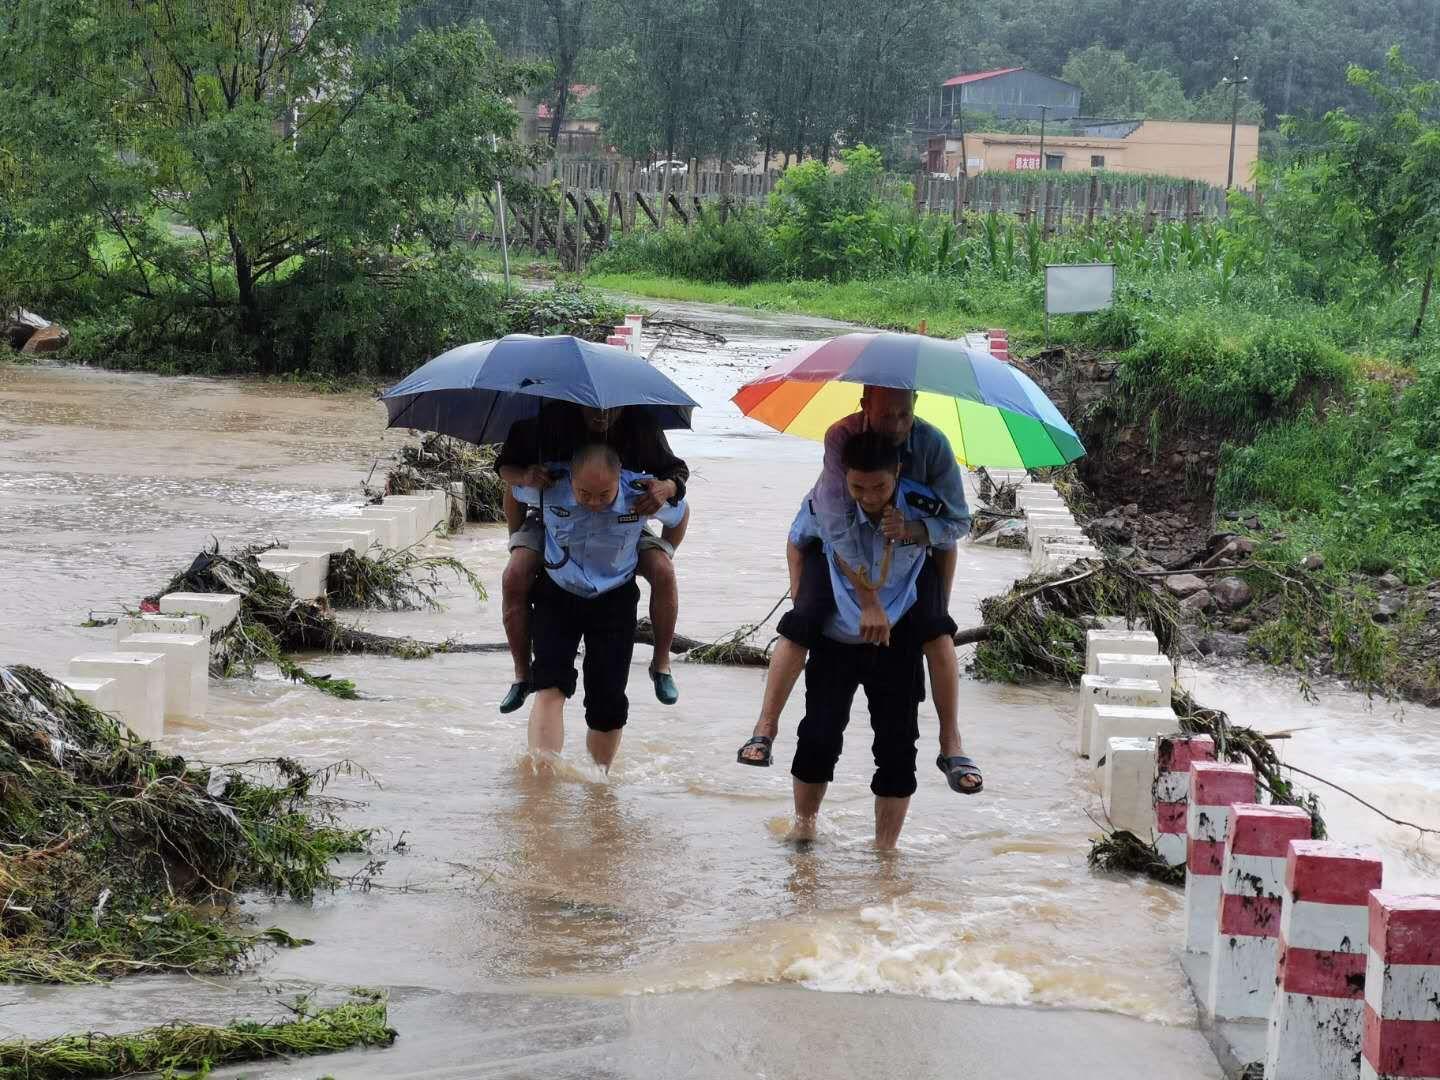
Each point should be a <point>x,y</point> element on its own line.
<point>1072,290</point>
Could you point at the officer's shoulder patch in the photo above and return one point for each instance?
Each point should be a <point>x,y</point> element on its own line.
<point>638,485</point>
<point>926,504</point>
<point>629,519</point>
<point>558,511</point>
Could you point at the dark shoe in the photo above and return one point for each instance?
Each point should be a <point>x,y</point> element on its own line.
<point>762,741</point>
<point>958,769</point>
<point>665,690</point>
<point>519,691</point>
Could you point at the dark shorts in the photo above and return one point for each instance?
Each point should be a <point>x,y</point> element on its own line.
<point>804,623</point>
<point>894,679</point>
<point>606,623</point>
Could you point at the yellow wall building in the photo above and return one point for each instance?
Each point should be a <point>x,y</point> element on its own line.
<point>1192,151</point>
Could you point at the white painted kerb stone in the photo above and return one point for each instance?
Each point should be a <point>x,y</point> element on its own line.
<point>187,669</point>
<point>1130,642</point>
<point>99,694</point>
<point>1129,722</point>
<point>140,687</point>
<point>220,608</point>
<point>1131,666</point>
<point>130,625</point>
<point>1129,774</point>
<point>1107,690</point>
<point>360,540</point>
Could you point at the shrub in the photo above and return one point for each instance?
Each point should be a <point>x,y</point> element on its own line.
<point>738,250</point>
<point>827,224</point>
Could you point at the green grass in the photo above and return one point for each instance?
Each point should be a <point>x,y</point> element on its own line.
<point>363,1020</point>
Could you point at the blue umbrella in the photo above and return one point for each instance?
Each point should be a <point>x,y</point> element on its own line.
<point>476,392</point>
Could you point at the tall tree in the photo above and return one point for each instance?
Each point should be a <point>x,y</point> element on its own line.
<point>272,131</point>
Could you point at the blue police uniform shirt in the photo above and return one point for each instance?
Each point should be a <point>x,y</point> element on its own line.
<point>590,552</point>
<point>916,502</point>
<point>926,457</point>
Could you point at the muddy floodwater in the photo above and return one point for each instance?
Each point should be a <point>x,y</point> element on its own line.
<point>655,924</point>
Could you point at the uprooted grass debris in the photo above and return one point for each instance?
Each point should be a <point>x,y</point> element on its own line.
<point>116,858</point>
<point>362,1020</point>
<point>438,461</point>
<point>273,623</point>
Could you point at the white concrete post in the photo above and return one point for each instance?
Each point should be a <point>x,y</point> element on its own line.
<point>1129,774</point>
<point>1129,722</point>
<point>1172,790</point>
<point>1104,690</point>
<point>1247,933</point>
<point>1132,666</point>
<point>360,540</point>
<point>1402,988</point>
<point>458,506</point>
<point>129,625</point>
<point>636,323</point>
<point>309,582</point>
<point>99,694</point>
<point>187,669</point>
<point>1214,788</point>
<point>1129,642</point>
<point>1317,1022</point>
<point>139,687</point>
<point>220,608</point>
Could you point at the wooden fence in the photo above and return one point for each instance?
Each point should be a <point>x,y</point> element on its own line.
<point>592,200</point>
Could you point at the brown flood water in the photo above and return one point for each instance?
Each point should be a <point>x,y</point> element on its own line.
<point>656,922</point>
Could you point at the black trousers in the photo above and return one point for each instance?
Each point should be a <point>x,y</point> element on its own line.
<point>606,623</point>
<point>894,679</point>
<point>804,623</point>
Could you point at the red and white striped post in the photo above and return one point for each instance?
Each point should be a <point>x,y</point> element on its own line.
<point>1172,790</point>
<point>999,345</point>
<point>1318,1020</point>
<point>1402,989</point>
<point>1243,960</point>
<point>618,340</point>
<point>626,334</point>
<point>636,323</point>
<point>1214,787</point>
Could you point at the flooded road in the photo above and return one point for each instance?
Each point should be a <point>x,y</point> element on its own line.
<point>657,923</point>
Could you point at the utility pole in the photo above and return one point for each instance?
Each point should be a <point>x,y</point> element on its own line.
<point>1044,111</point>
<point>1235,83</point>
<point>500,214</point>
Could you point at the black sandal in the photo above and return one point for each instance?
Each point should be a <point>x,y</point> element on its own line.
<point>519,691</point>
<point>956,769</point>
<point>762,741</point>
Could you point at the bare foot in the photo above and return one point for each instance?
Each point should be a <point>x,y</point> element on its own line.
<point>803,831</point>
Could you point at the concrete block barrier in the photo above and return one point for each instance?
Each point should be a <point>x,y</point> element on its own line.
<point>317,546</point>
<point>317,566</point>
<point>360,540</point>
<point>1129,722</point>
<point>636,323</point>
<point>1129,775</point>
<point>129,625</point>
<point>1317,1023</point>
<point>1053,556</point>
<point>99,694</point>
<point>1402,988</point>
<point>300,577</point>
<point>1173,757</point>
<point>1039,530</point>
<point>406,519</point>
<point>1130,642</point>
<point>1105,690</point>
<point>1137,666</point>
<point>1215,786</point>
<point>220,608</point>
<point>429,513</point>
<point>139,687</point>
<point>1252,886</point>
<point>187,669</point>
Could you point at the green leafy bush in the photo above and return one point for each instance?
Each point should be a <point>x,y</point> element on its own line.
<point>829,224</point>
<point>738,249</point>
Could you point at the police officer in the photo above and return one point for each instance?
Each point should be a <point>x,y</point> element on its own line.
<point>879,581</point>
<point>560,430</point>
<point>592,529</point>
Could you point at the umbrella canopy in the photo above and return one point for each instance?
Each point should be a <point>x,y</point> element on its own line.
<point>477,391</point>
<point>992,414</point>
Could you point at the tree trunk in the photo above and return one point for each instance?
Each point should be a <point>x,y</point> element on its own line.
<point>563,72</point>
<point>1424,302</point>
<point>251,324</point>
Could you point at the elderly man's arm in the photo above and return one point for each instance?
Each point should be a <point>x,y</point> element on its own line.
<point>652,454</point>
<point>946,478</point>
<point>832,501</point>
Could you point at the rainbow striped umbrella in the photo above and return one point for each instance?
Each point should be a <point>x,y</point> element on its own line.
<point>992,414</point>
